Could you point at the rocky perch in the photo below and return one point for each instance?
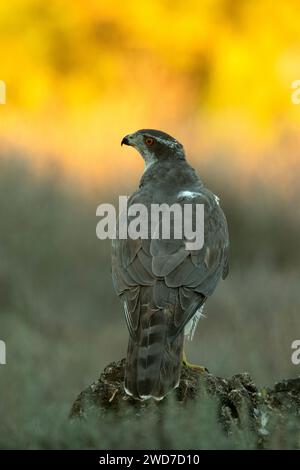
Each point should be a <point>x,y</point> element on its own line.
<point>240,403</point>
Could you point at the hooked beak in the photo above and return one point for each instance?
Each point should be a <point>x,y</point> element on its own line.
<point>125,140</point>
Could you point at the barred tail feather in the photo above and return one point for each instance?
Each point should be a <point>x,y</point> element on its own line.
<point>153,362</point>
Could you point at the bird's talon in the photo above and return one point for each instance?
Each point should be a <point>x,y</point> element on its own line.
<point>196,367</point>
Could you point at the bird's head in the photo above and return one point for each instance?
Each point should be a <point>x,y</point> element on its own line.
<point>154,145</point>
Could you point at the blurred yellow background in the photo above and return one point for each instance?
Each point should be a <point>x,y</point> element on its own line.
<point>216,74</point>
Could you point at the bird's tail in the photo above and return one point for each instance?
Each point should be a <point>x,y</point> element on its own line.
<point>153,362</point>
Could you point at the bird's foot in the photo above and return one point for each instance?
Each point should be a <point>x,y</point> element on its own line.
<point>196,367</point>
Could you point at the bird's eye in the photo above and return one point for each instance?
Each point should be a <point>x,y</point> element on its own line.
<point>149,141</point>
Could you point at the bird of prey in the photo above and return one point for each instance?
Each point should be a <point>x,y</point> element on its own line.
<point>162,284</point>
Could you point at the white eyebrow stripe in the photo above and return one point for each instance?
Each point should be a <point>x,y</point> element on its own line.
<point>170,143</point>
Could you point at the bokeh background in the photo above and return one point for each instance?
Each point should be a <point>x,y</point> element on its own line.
<point>80,75</point>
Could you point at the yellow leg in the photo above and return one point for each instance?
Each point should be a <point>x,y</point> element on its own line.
<point>198,368</point>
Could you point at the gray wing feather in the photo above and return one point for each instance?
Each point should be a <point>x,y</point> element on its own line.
<point>174,275</point>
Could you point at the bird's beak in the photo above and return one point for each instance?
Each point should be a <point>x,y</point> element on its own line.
<point>125,140</point>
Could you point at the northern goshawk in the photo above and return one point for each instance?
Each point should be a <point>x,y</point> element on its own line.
<point>162,284</point>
